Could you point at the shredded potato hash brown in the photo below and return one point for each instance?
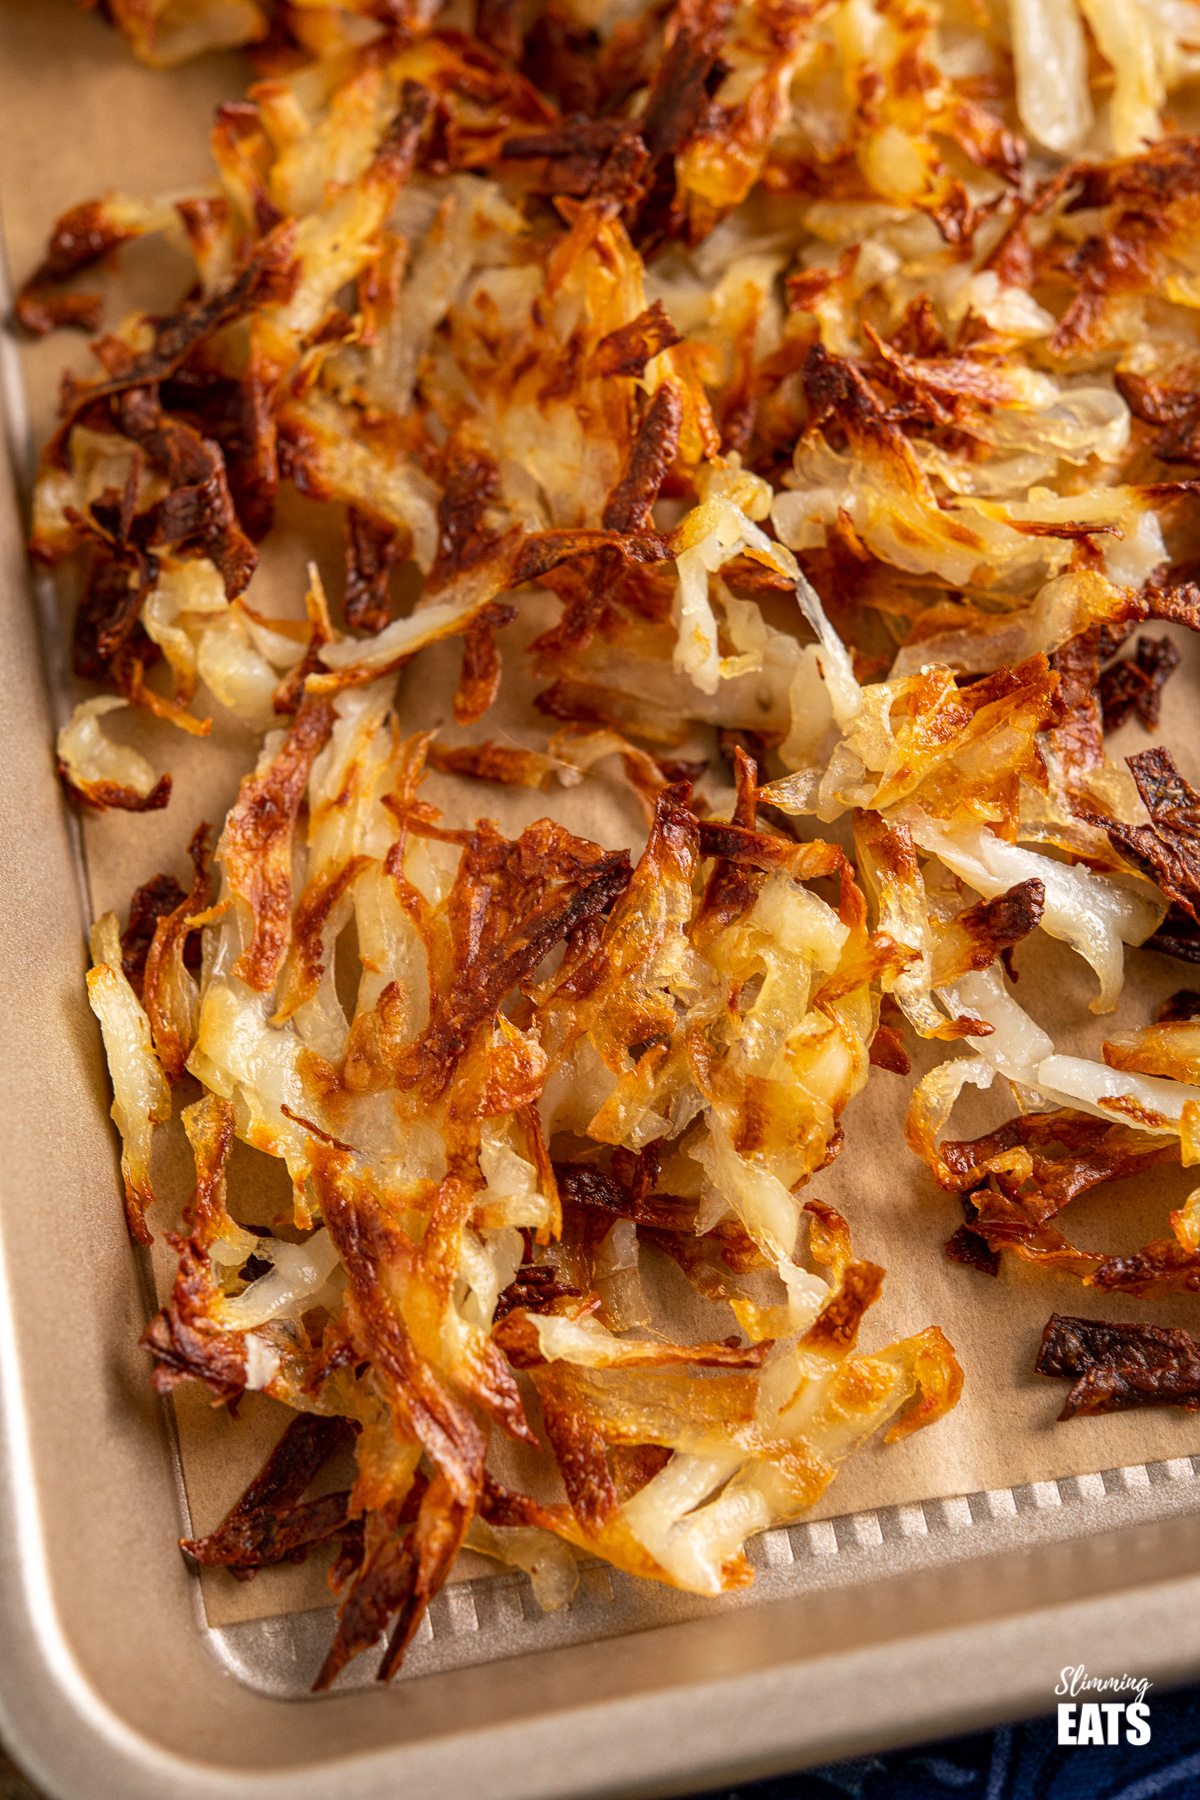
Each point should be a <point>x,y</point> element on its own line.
<point>835,366</point>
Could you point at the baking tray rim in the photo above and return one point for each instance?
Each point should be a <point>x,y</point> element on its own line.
<point>695,1734</point>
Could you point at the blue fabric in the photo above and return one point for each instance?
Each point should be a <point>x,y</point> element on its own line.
<point>1018,1762</point>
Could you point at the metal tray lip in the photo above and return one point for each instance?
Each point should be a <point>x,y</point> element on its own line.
<point>41,1685</point>
<point>275,1655</point>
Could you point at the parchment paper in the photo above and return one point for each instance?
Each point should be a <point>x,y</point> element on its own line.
<point>80,117</point>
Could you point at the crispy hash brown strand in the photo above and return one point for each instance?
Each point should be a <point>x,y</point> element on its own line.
<point>1015,1180</point>
<point>842,408</point>
<point>271,1522</point>
<point>1169,848</point>
<point>1117,1367</point>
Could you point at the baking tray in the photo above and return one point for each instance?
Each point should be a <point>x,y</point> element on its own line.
<point>862,1631</point>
